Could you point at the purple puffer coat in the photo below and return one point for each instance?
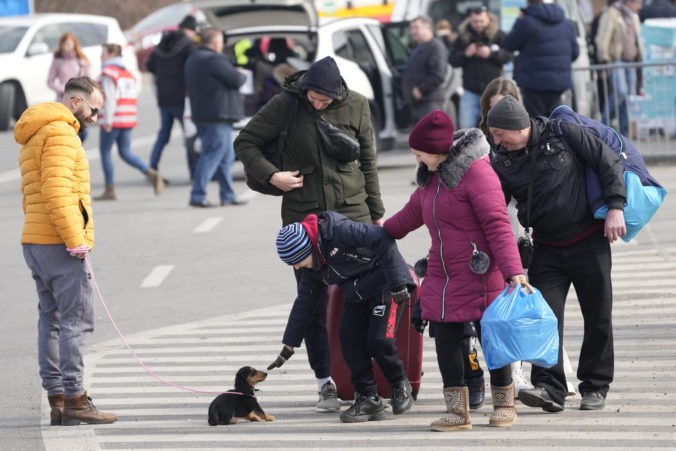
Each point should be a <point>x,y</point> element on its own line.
<point>460,203</point>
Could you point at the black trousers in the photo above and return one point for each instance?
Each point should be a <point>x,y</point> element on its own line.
<point>367,331</point>
<point>586,264</point>
<point>316,336</point>
<point>451,358</point>
<point>540,103</point>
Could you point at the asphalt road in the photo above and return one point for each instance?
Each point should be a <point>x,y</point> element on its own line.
<point>161,263</point>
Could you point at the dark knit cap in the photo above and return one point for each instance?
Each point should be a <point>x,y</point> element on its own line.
<point>324,77</point>
<point>508,114</point>
<point>188,23</point>
<point>293,243</point>
<point>433,133</point>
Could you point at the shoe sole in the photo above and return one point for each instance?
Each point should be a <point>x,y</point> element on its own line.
<point>378,416</point>
<point>535,401</point>
<point>327,409</point>
<point>77,422</point>
<point>460,427</point>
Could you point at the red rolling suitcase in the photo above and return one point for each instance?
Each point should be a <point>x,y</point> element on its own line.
<point>408,340</point>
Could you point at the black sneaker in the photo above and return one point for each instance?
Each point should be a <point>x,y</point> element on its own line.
<point>592,401</point>
<point>401,397</point>
<point>477,392</point>
<point>538,397</point>
<point>364,409</point>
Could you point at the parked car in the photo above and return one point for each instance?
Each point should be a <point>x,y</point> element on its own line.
<point>27,45</point>
<point>147,33</point>
<point>369,54</point>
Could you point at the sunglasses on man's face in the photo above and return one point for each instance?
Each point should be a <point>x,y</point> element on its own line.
<point>94,110</point>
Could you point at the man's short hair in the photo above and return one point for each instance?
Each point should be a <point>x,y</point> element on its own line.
<point>209,35</point>
<point>82,85</point>
<point>425,20</point>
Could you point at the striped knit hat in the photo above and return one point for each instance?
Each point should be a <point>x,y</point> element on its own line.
<point>293,244</point>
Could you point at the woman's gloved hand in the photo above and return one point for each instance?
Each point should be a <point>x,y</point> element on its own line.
<point>287,352</point>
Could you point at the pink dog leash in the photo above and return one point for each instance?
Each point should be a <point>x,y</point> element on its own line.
<point>148,370</point>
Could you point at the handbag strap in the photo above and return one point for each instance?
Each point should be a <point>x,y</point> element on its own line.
<point>530,189</point>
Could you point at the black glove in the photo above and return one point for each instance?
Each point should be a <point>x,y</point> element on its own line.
<point>281,358</point>
<point>416,319</point>
<point>400,295</point>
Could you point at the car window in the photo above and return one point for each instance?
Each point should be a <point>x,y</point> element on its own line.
<point>10,38</point>
<point>353,46</point>
<point>50,35</point>
<point>89,34</point>
<point>398,43</point>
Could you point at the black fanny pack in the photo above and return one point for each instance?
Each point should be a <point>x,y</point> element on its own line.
<point>340,145</point>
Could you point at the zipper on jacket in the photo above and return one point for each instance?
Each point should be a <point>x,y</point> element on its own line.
<point>441,251</point>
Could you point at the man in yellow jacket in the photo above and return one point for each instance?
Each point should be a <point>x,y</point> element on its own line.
<point>58,233</point>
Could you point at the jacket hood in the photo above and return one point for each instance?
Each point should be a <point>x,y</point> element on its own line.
<point>547,12</point>
<point>36,117</point>
<point>466,31</point>
<point>172,43</point>
<point>468,145</point>
<point>293,84</point>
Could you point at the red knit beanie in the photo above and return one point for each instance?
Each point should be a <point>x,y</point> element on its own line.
<point>433,133</point>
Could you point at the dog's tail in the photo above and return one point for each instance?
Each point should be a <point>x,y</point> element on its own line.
<point>213,417</point>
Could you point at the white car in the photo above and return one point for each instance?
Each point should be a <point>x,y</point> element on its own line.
<point>27,45</point>
<point>369,54</point>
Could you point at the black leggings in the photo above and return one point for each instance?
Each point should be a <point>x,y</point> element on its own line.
<point>451,359</point>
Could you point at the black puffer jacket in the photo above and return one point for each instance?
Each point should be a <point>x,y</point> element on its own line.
<point>166,62</point>
<point>362,259</point>
<point>559,210</point>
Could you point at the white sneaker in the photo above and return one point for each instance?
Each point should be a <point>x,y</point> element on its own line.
<point>571,388</point>
<point>328,399</point>
<point>520,382</point>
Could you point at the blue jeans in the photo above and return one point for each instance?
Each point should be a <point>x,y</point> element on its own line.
<point>216,159</point>
<point>167,116</point>
<point>66,315</point>
<point>470,110</point>
<point>623,82</point>
<point>121,136</point>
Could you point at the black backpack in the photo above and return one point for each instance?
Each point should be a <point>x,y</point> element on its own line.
<point>274,149</point>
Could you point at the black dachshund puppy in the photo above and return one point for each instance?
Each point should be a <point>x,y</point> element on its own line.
<point>239,402</point>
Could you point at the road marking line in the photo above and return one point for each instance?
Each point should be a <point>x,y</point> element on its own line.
<point>208,225</point>
<point>156,276</point>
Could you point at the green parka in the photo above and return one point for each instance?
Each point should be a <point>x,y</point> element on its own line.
<point>351,189</point>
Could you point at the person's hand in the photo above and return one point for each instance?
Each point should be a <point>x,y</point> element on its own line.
<point>470,50</point>
<point>416,93</point>
<point>515,280</point>
<point>614,227</point>
<point>287,352</point>
<point>416,318</point>
<point>287,180</point>
<point>79,252</point>
<point>378,222</point>
<point>483,51</point>
<point>400,294</point>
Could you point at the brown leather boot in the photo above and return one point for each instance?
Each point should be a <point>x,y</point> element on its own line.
<point>504,407</point>
<point>108,194</point>
<point>56,403</point>
<point>457,404</point>
<point>81,409</point>
<point>156,180</point>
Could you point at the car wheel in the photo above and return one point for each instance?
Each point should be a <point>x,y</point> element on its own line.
<point>7,96</point>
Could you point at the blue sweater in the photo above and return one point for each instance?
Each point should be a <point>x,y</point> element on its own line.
<point>546,55</point>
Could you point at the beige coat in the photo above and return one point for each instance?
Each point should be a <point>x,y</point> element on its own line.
<point>610,36</point>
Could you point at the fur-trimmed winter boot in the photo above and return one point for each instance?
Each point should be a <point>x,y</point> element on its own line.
<point>457,404</point>
<point>504,407</point>
<point>56,403</point>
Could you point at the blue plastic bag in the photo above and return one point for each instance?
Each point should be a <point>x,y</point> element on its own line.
<point>519,325</point>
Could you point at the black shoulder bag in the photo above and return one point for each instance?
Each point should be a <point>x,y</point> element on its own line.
<point>340,145</point>
<point>273,150</point>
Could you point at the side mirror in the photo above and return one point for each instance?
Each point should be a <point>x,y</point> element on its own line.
<point>37,48</point>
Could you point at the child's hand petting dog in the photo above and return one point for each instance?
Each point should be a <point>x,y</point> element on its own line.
<point>287,352</point>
